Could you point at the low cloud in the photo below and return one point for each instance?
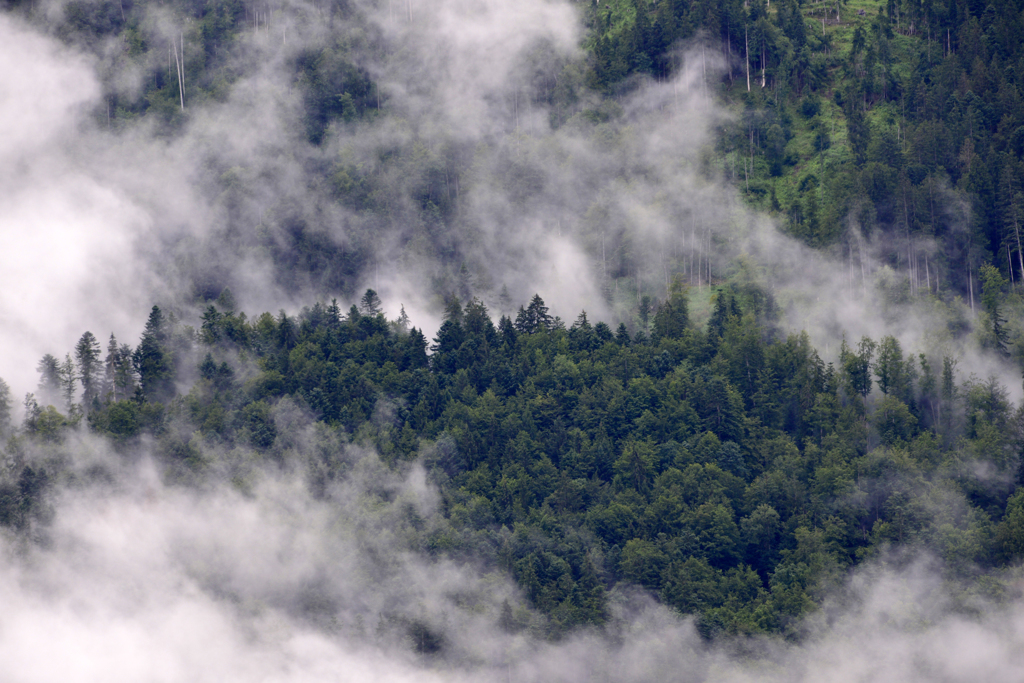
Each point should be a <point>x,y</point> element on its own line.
<point>135,578</point>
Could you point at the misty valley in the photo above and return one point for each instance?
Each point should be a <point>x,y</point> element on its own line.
<point>467,340</point>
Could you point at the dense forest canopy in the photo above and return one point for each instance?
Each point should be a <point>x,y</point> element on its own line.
<point>726,468</point>
<point>714,315</point>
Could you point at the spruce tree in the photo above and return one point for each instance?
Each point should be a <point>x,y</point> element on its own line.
<point>87,355</point>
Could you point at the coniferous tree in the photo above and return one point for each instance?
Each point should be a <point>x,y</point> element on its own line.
<point>622,335</point>
<point>416,356</point>
<point>889,368</point>
<point>402,322</point>
<point>508,331</point>
<point>644,311</point>
<point>857,366</point>
<point>672,316</point>
<point>522,324</point>
<point>87,355</point>
<point>210,330</point>
<point>992,286</point>
<point>32,412</point>
<point>156,325</point>
<point>582,335</point>
<point>477,322</point>
<point>151,360</point>
<point>6,408</point>
<point>110,367</point>
<point>334,315</point>
<point>370,304</point>
<point>124,373</point>
<point>288,335</point>
<point>537,314</point>
<point>49,388</point>
<point>453,309</point>
<point>68,374</point>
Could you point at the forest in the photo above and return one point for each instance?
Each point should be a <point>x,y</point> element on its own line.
<point>796,226</point>
<point>726,468</point>
<point>888,127</point>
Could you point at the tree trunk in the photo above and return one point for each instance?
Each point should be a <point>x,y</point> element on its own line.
<point>746,55</point>
<point>177,66</point>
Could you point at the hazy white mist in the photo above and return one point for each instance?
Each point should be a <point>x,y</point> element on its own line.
<point>250,577</point>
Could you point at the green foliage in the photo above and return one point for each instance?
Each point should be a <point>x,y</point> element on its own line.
<point>730,472</point>
<point>87,356</point>
<point>22,502</point>
<point>726,469</point>
<point>334,89</point>
<point>992,287</point>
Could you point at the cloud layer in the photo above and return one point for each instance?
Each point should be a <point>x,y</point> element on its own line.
<point>260,580</point>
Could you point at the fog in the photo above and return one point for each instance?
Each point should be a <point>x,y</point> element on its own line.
<point>247,575</point>
<point>610,204</point>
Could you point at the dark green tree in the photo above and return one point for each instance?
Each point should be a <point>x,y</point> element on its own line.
<point>87,356</point>
<point>992,284</point>
<point>370,303</point>
<point>673,315</point>
<point>857,366</point>
<point>890,369</point>
<point>152,361</point>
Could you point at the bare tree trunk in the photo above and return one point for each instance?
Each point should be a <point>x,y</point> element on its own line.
<point>694,252</point>
<point>751,149</point>
<point>728,52</point>
<point>1010,263</point>
<point>708,260</point>
<point>970,283</point>
<point>704,75</point>
<point>177,66</point>
<point>863,275</point>
<point>1016,231</point>
<point>910,266</point>
<point>746,55</point>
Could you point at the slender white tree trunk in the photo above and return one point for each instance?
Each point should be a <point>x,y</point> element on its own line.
<point>178,67</point>
<point>746,55</point>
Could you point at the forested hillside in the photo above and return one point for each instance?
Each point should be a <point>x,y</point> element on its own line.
<point>862,126</point>
<point>794,229</point>
<point>858,120</point>
<point>727,468</point>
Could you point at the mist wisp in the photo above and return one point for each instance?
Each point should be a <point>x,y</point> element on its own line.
<point>315,565</point>
<point>485,163</point>
<point>480,163</point>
